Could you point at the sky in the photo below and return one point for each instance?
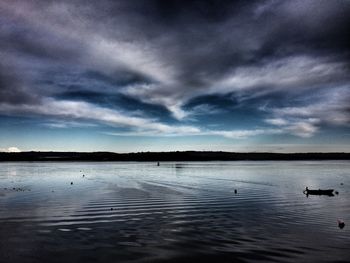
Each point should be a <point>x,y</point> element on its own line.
<point>155,75</point>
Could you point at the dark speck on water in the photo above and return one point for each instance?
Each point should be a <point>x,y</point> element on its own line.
<point>135,212</point>
<point>341,224</point>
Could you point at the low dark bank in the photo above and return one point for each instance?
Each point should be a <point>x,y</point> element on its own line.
<point>168,156</point>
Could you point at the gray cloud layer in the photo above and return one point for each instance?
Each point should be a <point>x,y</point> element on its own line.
<point>169,52</point>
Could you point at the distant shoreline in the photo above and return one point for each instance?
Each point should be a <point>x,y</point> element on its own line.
<point>170,156</point>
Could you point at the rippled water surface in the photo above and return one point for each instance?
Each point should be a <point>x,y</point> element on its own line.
<point>177,212</point>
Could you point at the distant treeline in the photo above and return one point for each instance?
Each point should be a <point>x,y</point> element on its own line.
<point>168,156</point>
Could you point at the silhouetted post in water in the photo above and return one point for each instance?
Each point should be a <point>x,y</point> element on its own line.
<point>71,183</point>
<point>157,163</point>
<point>235,191</point>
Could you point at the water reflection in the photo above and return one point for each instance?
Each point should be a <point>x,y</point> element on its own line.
<point>142,212</point>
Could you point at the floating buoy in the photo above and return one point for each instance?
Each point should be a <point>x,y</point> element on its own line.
<point>341,224</point>
<point>71,183</point>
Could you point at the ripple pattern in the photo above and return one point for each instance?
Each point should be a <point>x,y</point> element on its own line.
<point>175,212</point>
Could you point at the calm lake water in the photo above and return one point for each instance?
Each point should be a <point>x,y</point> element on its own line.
<point>177,212</point>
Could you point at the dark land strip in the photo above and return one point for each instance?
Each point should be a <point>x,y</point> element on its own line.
<point>169,156</point>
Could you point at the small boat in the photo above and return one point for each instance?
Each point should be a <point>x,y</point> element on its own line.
<point>328,192</point>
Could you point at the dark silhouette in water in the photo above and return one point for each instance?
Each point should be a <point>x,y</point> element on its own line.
<point>328,192</point>
<point>341,224</point>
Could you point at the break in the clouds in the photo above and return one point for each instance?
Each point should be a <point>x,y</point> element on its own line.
<point>230,69</point>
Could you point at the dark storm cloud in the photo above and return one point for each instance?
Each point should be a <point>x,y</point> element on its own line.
<point>31,41</point>
<point>263,57</point>
<point>13,89</point>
